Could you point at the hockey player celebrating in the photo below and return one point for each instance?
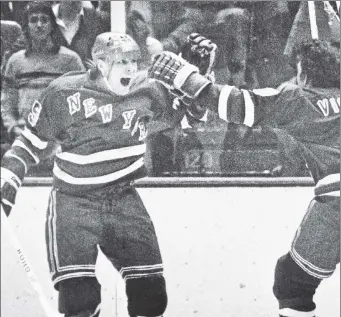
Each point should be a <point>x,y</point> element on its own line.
<point>100,120</point>
<point>308,113</point>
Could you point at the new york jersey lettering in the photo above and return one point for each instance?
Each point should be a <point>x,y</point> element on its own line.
<point>74,103</point>
<point>325,105</point>
<point>128,118</point>
<point>106,112</point>
<point>89,107</point>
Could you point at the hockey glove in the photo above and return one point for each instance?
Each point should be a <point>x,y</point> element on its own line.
<point>10,184</point>
<point>175,73</point>
<point>201,52</point>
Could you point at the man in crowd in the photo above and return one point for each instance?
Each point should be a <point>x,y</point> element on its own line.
<point>10,32</point>
<point>308,114</point>
<point>79,26</point>
<point>31,69</point>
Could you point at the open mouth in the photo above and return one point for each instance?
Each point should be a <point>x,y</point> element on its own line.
<point>125,81</point>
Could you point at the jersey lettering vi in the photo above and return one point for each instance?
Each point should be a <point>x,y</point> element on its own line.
<point>329,106</point>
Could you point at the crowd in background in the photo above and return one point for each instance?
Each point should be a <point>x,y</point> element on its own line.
<point>41,41</point>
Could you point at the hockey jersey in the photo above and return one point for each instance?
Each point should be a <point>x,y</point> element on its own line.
<point>309,116</point>
<point>101,134</point>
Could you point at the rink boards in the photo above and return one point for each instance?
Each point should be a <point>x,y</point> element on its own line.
<point>220,244</point>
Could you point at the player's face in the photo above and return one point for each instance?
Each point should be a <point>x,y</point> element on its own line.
<point>39,26</point>
<point>121,74</point>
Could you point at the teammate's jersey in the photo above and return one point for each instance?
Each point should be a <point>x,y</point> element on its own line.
<point>311,116</point>
<point>101,134</point>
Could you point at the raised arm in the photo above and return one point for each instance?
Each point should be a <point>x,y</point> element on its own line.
<point>232,104</point>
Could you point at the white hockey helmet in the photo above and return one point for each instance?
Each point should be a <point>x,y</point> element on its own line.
<point>114,46</point>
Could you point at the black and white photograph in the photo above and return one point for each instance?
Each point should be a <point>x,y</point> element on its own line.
<point>170,158</point>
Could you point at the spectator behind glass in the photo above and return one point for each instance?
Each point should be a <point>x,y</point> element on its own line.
<point>31,70</point>
<point>140,31</point>
<point>13,10</point>
<point>10,33</point>
<point>78,26</point>
<point>250,37</point>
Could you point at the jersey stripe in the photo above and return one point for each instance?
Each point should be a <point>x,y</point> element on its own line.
<point>23,146</point>
<point>73,275</point>
<point>19,159</point>
<point>140,267</point>
<point>6,202</point>
<point>308,267</point>
<point>329,185</point>
<point>266,92</point>
<point>222,103</point>
<point>332,178</point>
<point>99,179</point>
<point>249,109</point>
<point>295,313</point>
<point>97,311</point>
<point>135,276</point>
<point>141,271</point>
<point>102,156</point>
<point>35,141</point>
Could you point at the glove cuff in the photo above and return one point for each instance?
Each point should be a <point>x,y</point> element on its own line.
<point>183,75</point>
<point>194,85</point>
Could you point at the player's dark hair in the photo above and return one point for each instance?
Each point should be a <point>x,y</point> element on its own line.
<point>40,7</point>
<point>320,61</point>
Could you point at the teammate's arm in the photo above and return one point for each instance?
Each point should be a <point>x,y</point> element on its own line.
<point>232,104</point>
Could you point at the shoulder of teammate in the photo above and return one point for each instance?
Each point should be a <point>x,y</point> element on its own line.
<point>295,105</point>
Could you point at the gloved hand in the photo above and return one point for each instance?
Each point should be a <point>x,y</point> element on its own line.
<point>10,183</point>
<point>176,73</point>
<point>201,52</point>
